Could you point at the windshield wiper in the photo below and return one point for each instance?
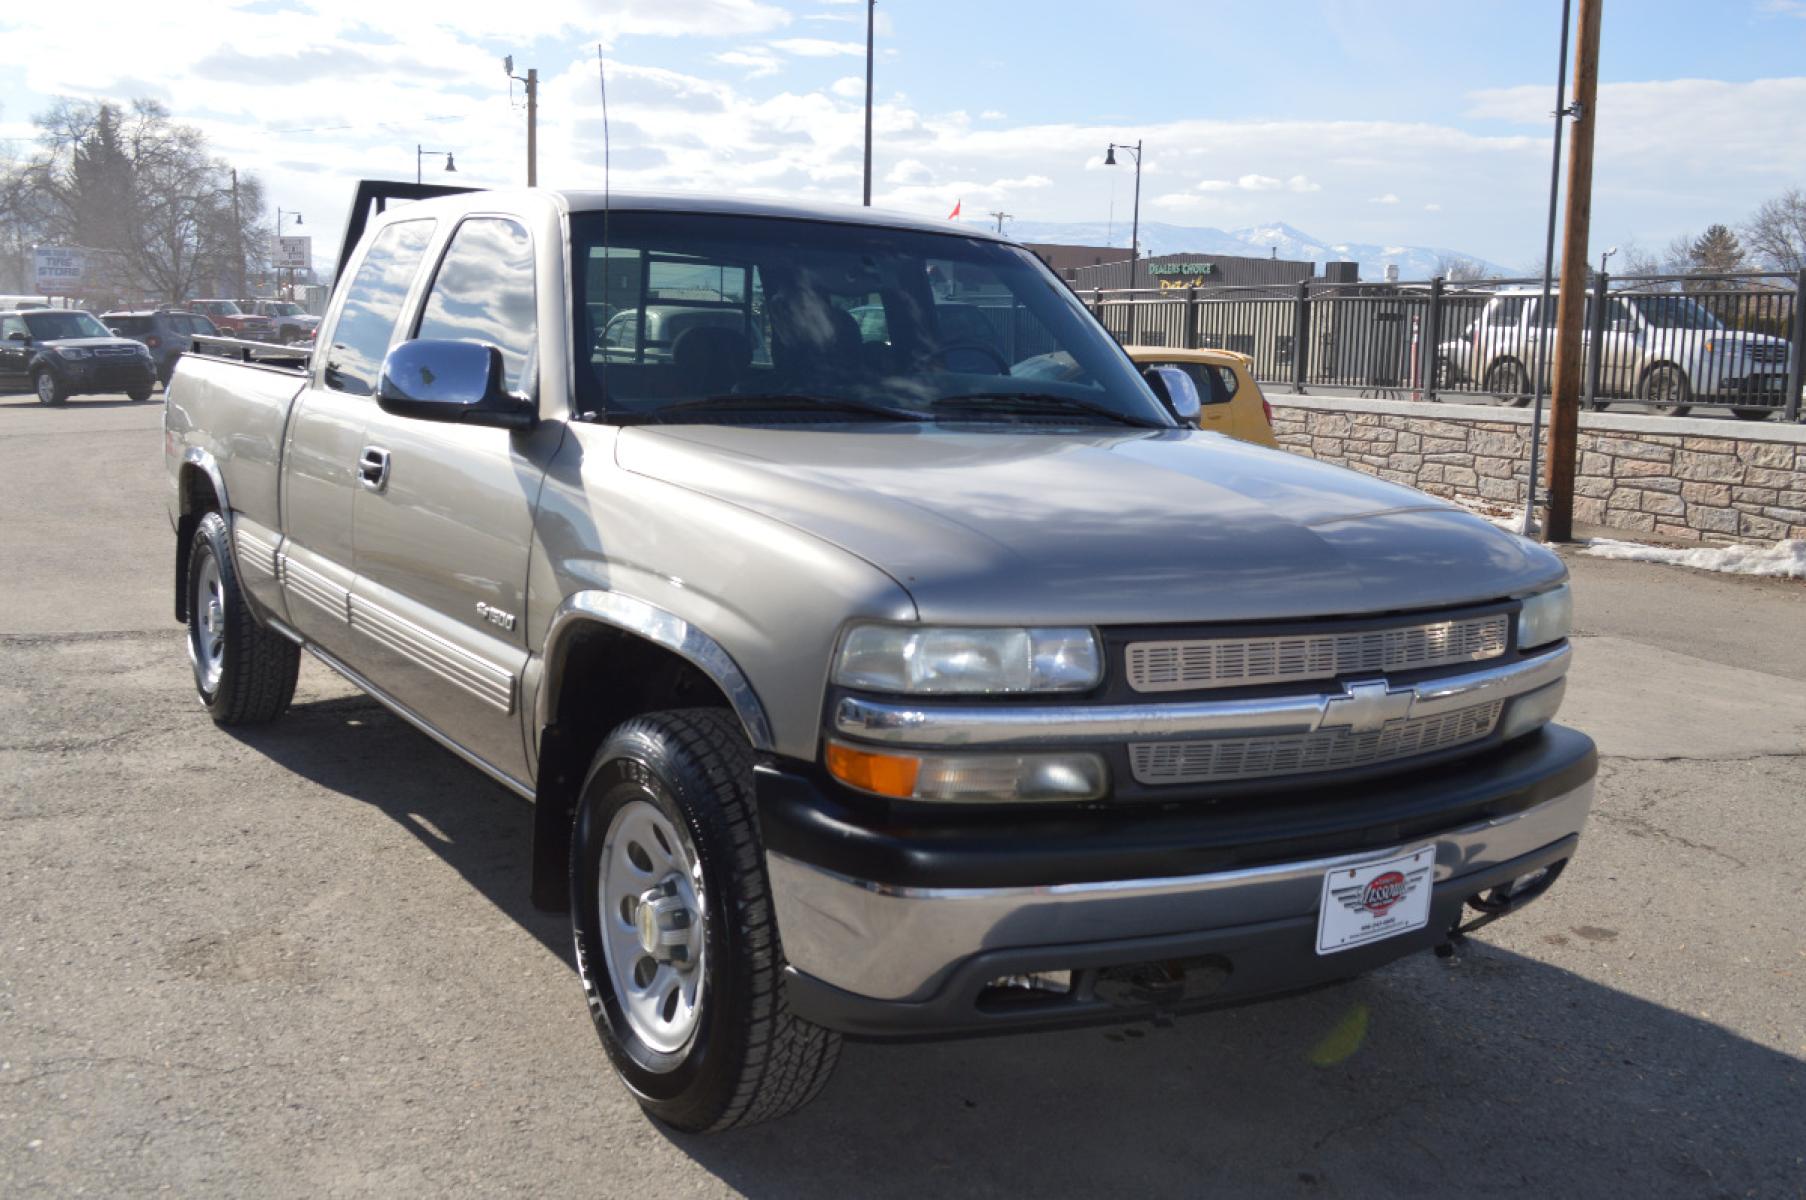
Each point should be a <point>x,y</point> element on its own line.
<point>785,402</point>
<point>1043,404</point>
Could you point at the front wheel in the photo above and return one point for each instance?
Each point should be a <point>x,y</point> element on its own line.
<point>139,395</point>
<point>50,389</point>
<point>676,942</point>
<point>245,674</point>
<point>1754,414</point>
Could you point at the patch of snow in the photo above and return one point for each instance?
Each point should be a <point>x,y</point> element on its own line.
<point>1783,560</point>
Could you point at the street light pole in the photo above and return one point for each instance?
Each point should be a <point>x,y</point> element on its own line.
<point>871,16</point>
<point>1135,226</point>
<point>420,154</point>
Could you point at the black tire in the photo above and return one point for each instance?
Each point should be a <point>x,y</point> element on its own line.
<point>746,1058</point>
<point>52,392</point>
<point>257,666</point>
<point>1509,382</point>
<point>1755,414</point>
<point>1666,390</point>
<point>140,395</point>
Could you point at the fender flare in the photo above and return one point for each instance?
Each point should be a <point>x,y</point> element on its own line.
<point>195,456</point>
<point>662,628</point>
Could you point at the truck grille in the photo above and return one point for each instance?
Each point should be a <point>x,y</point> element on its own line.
<point>116,352</point>
<point>1225,759</point>
<point>1234,662</point>
<point>1768,354</point>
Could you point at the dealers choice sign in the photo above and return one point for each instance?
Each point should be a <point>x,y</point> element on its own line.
<point>60,270</point>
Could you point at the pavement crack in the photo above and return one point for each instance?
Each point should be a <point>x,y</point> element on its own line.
<point>99,635</point>
<point>1639,826</point>
<point>1704,758</point>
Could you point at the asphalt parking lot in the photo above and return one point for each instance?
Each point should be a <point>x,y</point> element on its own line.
<point>301,961</point>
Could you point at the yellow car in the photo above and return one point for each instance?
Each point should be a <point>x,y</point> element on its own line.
<point>1231,400</point>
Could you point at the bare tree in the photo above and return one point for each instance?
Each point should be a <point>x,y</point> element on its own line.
<point>142,190</point>
<point>1459,268</point>
<point>1776,232</point>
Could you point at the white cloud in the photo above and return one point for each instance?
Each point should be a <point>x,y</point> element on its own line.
<point>1387,198</point>
<point>849,87</point>
<point>1301,183</point>
<point>804,47</point>
<point>909,170</point>
<point>992,114</point>
<point>758,61</point>
<point>1257,183</point>
<point>1214,185</point>
<point>1432,208</point>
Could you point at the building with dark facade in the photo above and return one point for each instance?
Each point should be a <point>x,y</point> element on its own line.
<point>1065,259</point>
<point>1180,271</point>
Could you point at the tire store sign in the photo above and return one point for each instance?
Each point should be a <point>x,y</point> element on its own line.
<point>60,270</point>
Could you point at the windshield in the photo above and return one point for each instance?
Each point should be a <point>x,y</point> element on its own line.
<point>688,316</point>
<point>282,309</point>
<point>48,326</point>
<point>217,308</point>
<point>1674,312</point>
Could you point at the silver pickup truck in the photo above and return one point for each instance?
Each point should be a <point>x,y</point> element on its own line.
<point>878,676</point>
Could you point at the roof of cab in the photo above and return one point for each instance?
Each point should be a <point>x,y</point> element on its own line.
<point>1202,354</point>
<point>579,201</point>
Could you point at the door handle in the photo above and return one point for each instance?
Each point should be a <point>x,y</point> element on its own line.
<point>373,468</point>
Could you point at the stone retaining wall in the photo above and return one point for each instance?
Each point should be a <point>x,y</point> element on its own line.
<point>1688,479</point>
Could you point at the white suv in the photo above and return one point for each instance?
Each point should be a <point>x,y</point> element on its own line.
<point>1663,349</point>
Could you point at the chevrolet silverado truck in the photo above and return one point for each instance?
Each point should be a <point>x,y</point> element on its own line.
<point>866,687</point>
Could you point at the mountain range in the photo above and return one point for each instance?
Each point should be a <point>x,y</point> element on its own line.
<point>1277,239</point>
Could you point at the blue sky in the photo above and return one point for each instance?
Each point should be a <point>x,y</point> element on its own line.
<point>1355,120</point>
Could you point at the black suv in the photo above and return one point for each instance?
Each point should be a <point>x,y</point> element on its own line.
<point>169,335</point>
<point>63,352</point>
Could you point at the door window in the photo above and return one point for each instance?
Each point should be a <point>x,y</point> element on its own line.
<point>484,293</point>
<point>10,326</point>
<point>366,325</point>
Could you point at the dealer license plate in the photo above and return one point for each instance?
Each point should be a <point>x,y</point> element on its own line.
<point>1376,900</point>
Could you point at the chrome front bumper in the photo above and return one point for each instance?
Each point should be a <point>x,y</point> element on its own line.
<point>897,943</point>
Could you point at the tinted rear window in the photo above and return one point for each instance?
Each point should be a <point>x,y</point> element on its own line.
<point>131,326</point>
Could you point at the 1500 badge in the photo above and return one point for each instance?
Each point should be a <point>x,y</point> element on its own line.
<point>495,616</point>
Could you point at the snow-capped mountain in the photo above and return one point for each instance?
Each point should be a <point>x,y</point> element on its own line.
<point>1277,238</point>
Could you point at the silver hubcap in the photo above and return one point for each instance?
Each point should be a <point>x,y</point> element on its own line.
<point>46,387</point>
<point>207,635</point>
<point>649,900</point>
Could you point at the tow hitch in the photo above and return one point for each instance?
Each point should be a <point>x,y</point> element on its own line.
<point>1506,898</point>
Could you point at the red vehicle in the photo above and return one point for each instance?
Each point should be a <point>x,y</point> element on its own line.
<point>234,321</point>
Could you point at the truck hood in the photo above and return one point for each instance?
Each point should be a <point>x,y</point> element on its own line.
<point>1104,527</point>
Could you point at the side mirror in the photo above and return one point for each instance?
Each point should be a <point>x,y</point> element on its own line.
<point>459,382</point>
<point>18,336</point>
<point>1176,391</point>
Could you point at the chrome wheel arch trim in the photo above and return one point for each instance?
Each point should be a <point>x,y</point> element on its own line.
<point>195,456</point>
<point>660,627</point>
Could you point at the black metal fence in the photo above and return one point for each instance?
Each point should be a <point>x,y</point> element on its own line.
<point>1672,342</point>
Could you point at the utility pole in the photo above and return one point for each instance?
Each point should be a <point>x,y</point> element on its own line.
<point>1001,218</point>
<point>238,239</point>
<point>1561,114</point>
<point>531,79</point>
<point>1564,404</point>
<point>871,16</point>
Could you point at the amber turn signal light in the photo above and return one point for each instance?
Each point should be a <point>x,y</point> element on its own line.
<point>885,774</point>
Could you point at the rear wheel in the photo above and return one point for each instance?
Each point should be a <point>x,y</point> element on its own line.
<point>245,674</point>
<point>50,389</point>
<point>139,394</point>
<point>676,942</point>
<point>1666,390</point>
<point>1509,382</point>
<point>1755,414</point>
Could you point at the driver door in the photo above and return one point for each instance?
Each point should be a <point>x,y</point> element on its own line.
<point>15,351</point>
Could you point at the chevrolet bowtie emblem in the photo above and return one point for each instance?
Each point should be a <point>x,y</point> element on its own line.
<point>1367,707</point>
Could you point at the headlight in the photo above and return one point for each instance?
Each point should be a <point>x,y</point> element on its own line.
<point>950,660</point>
<point>1546,617</point>
<point>969,778</point>
<point>74,352</point>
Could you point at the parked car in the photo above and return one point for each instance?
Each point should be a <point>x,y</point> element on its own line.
<point>234,321</point>
<point>61,352</point>
<point>1230,400</point>
<point>293,323</point>
<point>861,690</point>
<point>620,336</point>
<point>1663,349</point>
<point>168,335</point>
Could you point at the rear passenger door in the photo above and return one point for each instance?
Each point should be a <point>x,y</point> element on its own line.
<point>320,467</point>
<point>439,605</point>
<point>14,351</point>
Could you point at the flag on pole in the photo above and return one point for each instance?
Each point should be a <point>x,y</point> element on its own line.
<point>954,215</point>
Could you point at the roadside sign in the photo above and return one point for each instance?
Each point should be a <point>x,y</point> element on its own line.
<point>60,270</point>
<point>296,253</point>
